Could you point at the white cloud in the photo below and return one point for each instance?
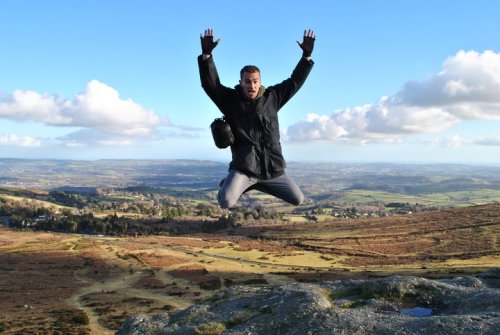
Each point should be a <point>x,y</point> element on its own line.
<point>32,106</point>
<point>316,127</point>
<point>19,141</point>
<point>453,141</point>
<point>460,141</point>
<point>467,88</point>
<point>99,109</point>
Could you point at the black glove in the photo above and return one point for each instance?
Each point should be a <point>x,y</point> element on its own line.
<point>307,45</point>
<point>207,42</point>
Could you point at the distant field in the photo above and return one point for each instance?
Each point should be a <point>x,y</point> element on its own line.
<point>459,198</point>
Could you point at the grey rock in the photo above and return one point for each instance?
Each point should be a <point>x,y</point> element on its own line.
<point>465,305</point>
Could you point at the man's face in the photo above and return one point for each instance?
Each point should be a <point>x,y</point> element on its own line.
<point>250,84</point>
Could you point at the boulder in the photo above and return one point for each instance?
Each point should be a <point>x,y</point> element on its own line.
<point>391,305</point>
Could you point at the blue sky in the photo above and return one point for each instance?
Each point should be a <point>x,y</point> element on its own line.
<point>393,81</point>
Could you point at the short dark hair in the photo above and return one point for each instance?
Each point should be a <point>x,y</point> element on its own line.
<point>249,69</point>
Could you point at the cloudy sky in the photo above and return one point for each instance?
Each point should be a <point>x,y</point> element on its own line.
<point>393,81</point>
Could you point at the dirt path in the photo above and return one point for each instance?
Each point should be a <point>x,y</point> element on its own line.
<point>123,283</point>
<point>94,286</point>
<point>120,283</point>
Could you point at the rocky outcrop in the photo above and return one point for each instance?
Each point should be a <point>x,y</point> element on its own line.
<point>392,305</point>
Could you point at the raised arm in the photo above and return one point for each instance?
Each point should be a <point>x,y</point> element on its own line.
<point>208,72</point>
<point>286,89</point>
<point>207,43</point>
<point>307,44</point>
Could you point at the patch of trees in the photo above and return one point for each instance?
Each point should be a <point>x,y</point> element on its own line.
<point>83,224</point>
<point>174,219</point>
<point>68,199</point>
<point>406,207</point>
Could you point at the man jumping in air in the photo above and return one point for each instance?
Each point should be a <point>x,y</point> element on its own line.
<point>252,112</point>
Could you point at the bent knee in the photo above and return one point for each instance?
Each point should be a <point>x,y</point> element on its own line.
<point>297,201</point>
<point>227,202</point>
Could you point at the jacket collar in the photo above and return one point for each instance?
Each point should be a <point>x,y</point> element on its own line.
<point>262,89</point>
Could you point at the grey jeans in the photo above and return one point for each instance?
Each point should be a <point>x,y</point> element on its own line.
<point>236,183</point>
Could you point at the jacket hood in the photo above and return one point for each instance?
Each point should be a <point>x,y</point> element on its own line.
<point>262,89</point>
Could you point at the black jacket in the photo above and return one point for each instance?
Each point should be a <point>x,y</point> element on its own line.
<point>257,149</point>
